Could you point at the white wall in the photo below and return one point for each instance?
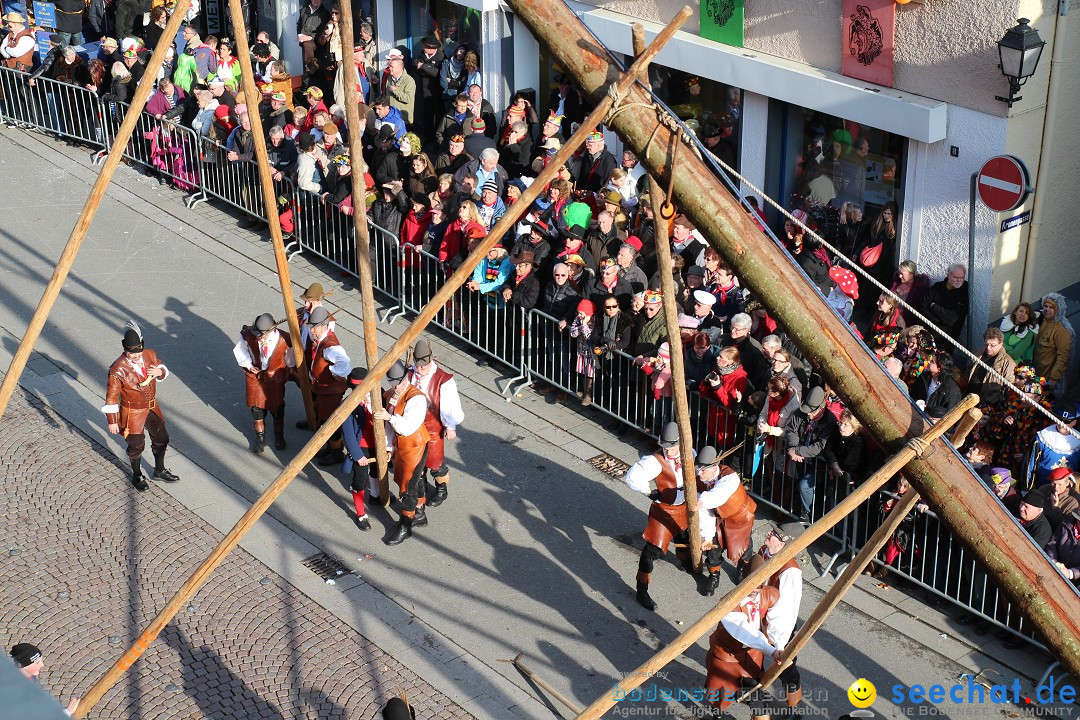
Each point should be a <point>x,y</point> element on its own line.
<point>944,191</point>
<point>755,130</point>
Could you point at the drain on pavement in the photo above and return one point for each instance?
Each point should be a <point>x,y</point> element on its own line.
<point>326,566</point>
<point>612,466</point>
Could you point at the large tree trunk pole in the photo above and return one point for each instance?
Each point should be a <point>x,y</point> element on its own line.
<point>836,592</point>
<point>519,663</point>
<point>708,621</point>
<point>941,477</point>
<point>90,208</point>
<point>370,384</point>
<point>252,96</point>
<point>363,243</point>
<point>678,366</point>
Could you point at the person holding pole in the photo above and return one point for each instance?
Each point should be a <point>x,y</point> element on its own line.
<point>405,409</point>
<point>782,616</point>
<point>444,414</point>
<point>266,356</point>
<point>131,406</point>
<point>328,367</point>
<point>738,647</point>
<point>667,515</point>
<point>728,517</point>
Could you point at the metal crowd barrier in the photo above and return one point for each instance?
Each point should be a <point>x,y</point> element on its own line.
<point>530,342</point>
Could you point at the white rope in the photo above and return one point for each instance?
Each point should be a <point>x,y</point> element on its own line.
<point>705,152</point>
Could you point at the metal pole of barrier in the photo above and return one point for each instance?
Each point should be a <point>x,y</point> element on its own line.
<point>523,333</point>
<point>90,208</point>
<point>363,243</point>
<point>252,95</point>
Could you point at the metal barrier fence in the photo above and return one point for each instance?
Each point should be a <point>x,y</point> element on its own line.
<point>534,344</point>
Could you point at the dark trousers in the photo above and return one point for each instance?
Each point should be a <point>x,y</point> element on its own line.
<point>159,438</point>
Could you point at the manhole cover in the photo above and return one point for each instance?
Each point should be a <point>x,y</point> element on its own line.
<point>326,566</point>
<point>612,466</point>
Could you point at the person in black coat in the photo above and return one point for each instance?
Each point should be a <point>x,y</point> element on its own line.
<point>514,154</point>
<point>607,283</point>
<point>946,303</point>
<point>560,299</point>
<point>426,70</point>
<point>936,391</point>
<point>1033,518</point>
<point>593,169</point>
<point>523,288</point>
<point>566,103</point>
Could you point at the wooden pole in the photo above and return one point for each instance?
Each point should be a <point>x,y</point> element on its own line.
<point>709,620</point>
<point>304,456</point>
<point>252,96</point>
<point>524,670</point>
<point>836,592</point>
<point>958,497</point>
<point>89,211</point>
<point>363,243</point>
<point>671,320</point>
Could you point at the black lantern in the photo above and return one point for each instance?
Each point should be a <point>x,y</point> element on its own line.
<point>1019,51</point>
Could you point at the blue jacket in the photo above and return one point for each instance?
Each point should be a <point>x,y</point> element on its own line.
<point>394,119</point>
<point>352,431</point>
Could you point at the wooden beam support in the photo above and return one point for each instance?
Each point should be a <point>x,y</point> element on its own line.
<point>678,364</point>
<point>369,385</point>
<point>89,211</point>
<point>708,621</point>
<point>252,95</point>
<point>363,243</point>
<point>958,497</point>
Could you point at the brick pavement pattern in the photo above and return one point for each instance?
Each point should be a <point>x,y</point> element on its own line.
<point>88,562</point>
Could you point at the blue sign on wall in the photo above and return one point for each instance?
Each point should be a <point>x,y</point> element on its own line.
<point>1016,221</point>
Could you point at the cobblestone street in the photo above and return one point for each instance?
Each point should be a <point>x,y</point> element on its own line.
<point>87,563</point>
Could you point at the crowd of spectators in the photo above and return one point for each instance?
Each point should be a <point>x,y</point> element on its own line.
<point>443,165</point>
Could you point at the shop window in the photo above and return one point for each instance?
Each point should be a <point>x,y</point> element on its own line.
<point>709,108</point>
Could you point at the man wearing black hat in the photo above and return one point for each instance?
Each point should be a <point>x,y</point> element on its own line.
<point>1033,518</point>
<point>536,242</point>
<point>265,354</point>
<point>444,414</point>
<point>405,410</point>
<point>727,516</point>
<point>328,367</point>
<point>717,138</point>
<point>808,434</point>
<point>427,70</point>
<point>131,406</point>
<point>781,618</point>
<point>358,431</point>
<point>667,514</point>
<point>30,662</point>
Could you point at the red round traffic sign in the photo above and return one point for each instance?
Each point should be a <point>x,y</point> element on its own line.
<point>1003,183</point>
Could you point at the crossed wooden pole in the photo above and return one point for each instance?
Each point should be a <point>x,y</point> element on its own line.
<point>370,383</point>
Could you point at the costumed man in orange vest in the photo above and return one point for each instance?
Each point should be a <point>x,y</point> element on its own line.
<point>404,409</point>
<point>358,431</point>
<point>726,517</point>
<point>738,647</point>
<point>444,414</point>
<point>788,581</point>
<point>266,356</point>
<point>328,367</point>
<point>667,514</point>
<point>131,406</point>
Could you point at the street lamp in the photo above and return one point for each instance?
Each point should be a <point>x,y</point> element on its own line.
<point>1019,51</point>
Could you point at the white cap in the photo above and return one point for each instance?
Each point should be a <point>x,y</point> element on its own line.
<point>705,298</point>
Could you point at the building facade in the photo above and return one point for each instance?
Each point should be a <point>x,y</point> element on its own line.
<point>916,143</point>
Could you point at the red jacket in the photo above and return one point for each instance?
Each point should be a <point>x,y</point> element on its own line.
<point>412,233</point>
<point>723,424</point>
<point>454,239</point>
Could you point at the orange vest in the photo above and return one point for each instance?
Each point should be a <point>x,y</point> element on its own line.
<point>420,437</point>
<point>323,382</point>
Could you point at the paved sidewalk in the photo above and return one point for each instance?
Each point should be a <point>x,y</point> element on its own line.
<point>534,551</point>
<point>87,564</point>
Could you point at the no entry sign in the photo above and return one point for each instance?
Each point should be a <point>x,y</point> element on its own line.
<point>1003,183</point>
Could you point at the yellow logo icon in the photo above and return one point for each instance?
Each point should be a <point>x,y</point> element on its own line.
<point>862,693</point>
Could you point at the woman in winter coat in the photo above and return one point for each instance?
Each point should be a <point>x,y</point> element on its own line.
<point>910,286</point>
<point>937,389</point>
<point>725,387</point>
<point>1021,328</point>
<point>875,254</point>
<point>779,406</point>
